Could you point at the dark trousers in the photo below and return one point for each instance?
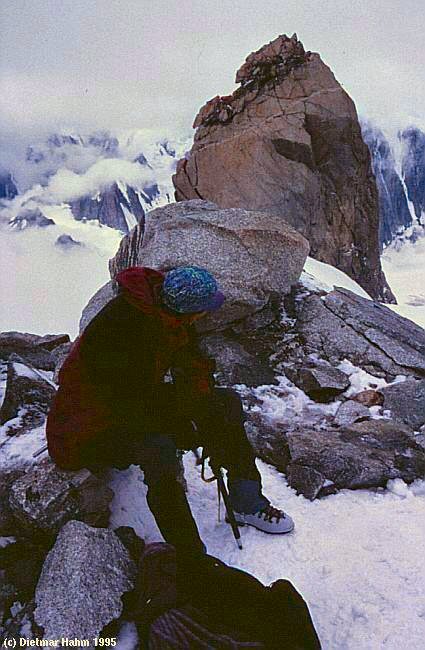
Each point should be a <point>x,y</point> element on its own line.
<point>220,431</point>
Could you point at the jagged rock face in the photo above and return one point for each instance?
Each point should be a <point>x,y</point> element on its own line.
<point>252,254</point>
<point>288,142</point>
<point>413,167</point>
<point>8,189</point>
<point>111,207</point>
<point>394,213</point>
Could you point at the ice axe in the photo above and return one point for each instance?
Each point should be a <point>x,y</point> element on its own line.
<point>218,475</point>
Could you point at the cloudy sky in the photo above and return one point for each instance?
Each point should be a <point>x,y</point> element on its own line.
<point>140,63</point>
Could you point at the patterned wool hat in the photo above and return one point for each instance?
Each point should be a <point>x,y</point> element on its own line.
<point>190,289</point>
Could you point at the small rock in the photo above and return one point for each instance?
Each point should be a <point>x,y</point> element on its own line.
<point>351,411</point>
<point>321,383</point>
<point>51,341</point>
<point>82,582</point>
<point>369,398</point>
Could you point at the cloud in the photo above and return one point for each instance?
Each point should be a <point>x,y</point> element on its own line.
<point>66,185</point>
<point>118,65</point>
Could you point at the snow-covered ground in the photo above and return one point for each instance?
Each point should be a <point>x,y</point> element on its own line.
<point>404,267</point>
<point>356,557</point>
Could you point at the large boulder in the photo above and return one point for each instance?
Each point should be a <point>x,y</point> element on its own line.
<point>253,255</point>
<point>28,395</point>
<point>96,303</point>
<point>82,582</point>
<point>288,142</point>
<point>44,498</point>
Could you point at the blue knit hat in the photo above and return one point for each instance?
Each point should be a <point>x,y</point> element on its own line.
<point>190,289</point>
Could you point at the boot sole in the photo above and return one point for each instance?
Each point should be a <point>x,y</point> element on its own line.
<point>268,532</point>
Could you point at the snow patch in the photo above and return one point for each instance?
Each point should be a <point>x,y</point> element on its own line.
<point>18,450</point>
<point>324,277</point>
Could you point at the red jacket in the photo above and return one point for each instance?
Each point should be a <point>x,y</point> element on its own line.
<point>116,368</point>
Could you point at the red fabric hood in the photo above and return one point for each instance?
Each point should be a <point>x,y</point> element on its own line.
<point>141,287</point>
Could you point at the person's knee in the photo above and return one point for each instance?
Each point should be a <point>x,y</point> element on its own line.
<point>231,404</point>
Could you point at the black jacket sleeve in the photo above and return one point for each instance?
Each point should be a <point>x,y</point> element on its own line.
<point>192,370</point>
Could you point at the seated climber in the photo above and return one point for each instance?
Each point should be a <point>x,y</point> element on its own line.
<point>113,407</point>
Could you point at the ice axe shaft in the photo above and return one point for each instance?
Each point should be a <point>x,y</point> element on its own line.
<point>218,472</point>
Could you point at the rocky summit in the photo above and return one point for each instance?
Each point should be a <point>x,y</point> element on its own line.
<point>288,142</point>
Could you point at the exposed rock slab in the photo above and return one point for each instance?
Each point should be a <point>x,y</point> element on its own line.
<point>28,394</point>
<point>288,142</point>
<point>342,325</point>
<point>46,497</point>
<point>82,581</point>
<point>406,401</point>
<point>252,254</point>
